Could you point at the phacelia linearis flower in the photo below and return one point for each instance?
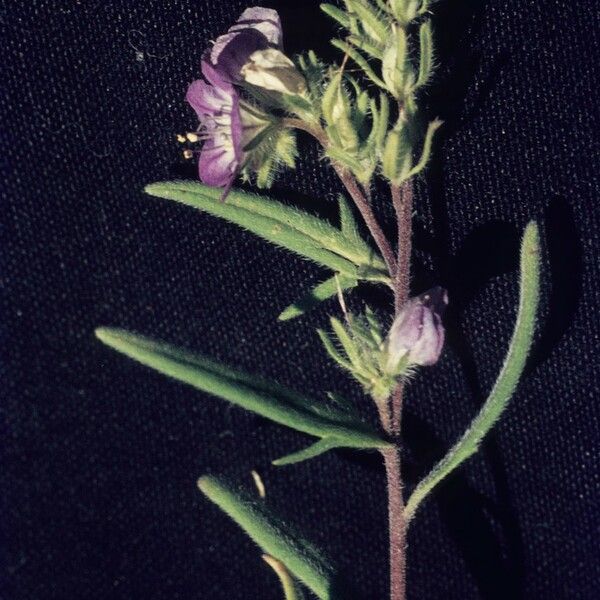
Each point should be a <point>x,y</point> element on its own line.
<point>417,333</point>
<point>226,127</point>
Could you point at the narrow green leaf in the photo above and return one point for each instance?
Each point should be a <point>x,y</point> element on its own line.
<point>273,536</point>
<point>369,19</point>
<point>425,55</point>
<point>333,351</point>
<point>290,590</point>
<point>282,225</point>
<point>381,124</point>
<point>509,375</point>
<point>316,449</point>
<point>321,292</point>
<point>374,325</point>
<point>426,152</point>
<point>349,345</point>
<point>362,44</point>
<point>360,60</point>
<point>336,14</point>
<point>252,393</point>
<point>348,224</point>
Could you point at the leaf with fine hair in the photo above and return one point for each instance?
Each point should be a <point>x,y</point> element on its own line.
<point>283,225</point>
<point>316,449</point>
<point>508,379</point>
<point>318,294</point>
<point>275,537</point>
<point>257,395</point>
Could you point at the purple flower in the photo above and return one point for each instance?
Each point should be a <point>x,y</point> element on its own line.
<point>226,128</point>
<point>417,330</point>
<point>217,105</point>
<point>256,29</point>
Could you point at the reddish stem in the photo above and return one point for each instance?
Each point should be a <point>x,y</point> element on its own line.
<point>358,196</point>
<point>390,412</point>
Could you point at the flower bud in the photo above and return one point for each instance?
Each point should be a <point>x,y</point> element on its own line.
<point>396,159</point>
<point>337,111</point>
<point>272,70</point>
<point>395,66</point>
<point>417,334</point>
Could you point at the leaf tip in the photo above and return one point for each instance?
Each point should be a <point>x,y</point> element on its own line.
<point>531,236</point>
<point>206,484</point>
<point>105,334</point>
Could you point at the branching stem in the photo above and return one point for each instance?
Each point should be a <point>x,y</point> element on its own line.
<point>356,193</point>
<point>390,411</point>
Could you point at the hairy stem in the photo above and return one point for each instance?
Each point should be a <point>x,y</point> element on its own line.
<point>390,412</point>
<point>356,193</point>
<point>402,198</point>
<point>397,524</point>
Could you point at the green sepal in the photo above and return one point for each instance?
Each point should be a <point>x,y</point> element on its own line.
<point>285,226</point>
<point>257,395</point>
<point>508,379</point>
<point>426,151</point>
<point>274,536</point>
<point>316,449</point>
<point>321,292</point>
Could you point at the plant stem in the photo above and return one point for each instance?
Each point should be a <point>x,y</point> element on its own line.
<point>369,217</point>
<point>402,198</point>
<point>357,195</point>
<point>397,524</point>
<point>390,412</point>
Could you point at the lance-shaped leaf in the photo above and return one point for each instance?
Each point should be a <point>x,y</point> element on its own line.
<point>321,292</point>
<point>274,536</point>
<point>283,225</point>
<point>257,395</point>
<point>509,375</point>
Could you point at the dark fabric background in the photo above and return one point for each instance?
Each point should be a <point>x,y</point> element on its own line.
<point>100,456</point>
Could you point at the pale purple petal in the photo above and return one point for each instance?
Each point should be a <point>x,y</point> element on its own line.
<point>265,20</point>
<point>217,166</point>
<point>206,99</point>
<point>237,128</point>
<point>418,329</point>
<point>405,331</point>
<point>212,74</point>
<point>232,51</point>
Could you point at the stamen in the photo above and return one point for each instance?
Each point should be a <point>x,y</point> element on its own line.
<point>192,137</point>
<point>187,154</point>
<point>180,138</point>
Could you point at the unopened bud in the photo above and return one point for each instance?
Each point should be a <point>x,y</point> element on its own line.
<point>272,70</point>
<point>338,114</point>
<point>395,66</point>
<point>417,334</point>
<point>396,160</point>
